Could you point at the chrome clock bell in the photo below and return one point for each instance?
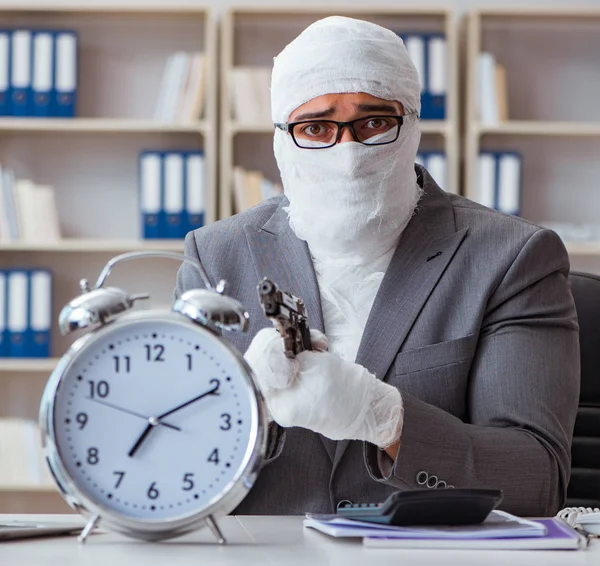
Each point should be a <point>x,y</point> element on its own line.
<point>151,421</point>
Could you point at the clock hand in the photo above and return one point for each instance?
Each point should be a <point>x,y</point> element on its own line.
<point>154,421</point>
<point>107,404</point>
<point>212,391</point>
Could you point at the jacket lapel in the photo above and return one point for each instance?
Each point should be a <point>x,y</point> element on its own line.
<point>277,253</point>
<point>426,247</point>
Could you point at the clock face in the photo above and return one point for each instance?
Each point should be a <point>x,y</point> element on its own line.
<point>154,419</point>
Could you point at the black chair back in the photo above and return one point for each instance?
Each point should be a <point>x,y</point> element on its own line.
<point>584,487</point>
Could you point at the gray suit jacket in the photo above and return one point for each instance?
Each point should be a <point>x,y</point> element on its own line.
<point>475,324</point>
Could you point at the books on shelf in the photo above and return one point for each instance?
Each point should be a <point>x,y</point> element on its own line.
<point>28,211</point>
<point>499,180</point>
<point>251,188</point>
<point>22,462</point>
<point>38,73</point>
<point>435,163</point>
<point>181,94</point>
<point>25,313</point>
<point>172,191</point>
<point>492,90</point>
<point>251,95</point>
<point>428,52</point>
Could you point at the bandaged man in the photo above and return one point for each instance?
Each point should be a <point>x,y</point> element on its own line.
<point>446,341</point>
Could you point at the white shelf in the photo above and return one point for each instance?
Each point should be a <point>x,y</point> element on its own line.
<point>94,245</point>
<point>98,125</point>
<point>590,249</point>
<point>540,128</point>
<point>27,365</point>
<point>28,489</point>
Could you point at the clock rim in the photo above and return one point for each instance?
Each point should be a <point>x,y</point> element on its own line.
<point>229,497</point>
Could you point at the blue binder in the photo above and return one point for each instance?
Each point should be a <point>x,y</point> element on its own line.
<point>195,191</point>
<point>173,195</point>
<point>5,75</point>
<point>433,103</point>
<point>20,77</point>
<point>3,315</point>
<point>65,74</point>
<point>42,73</point>
<point>40,313</point>
<point>18,313</point>
<point>150,177</point>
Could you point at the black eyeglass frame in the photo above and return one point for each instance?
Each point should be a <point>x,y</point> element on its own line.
<point>289,128</point>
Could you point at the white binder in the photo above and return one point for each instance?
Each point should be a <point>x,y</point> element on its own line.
<point>509,183</point>
<point>174,197</point>
<point>43,56</point>
<point>18,303</point>
<point>195,191</point>
<point>486,179</point>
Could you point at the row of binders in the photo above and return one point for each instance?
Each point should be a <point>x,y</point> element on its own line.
<point>435,163</point>
<point>429,54</point>
<point>28,211</point>
<point>492,86</point>
<point>172,188</point>
<point>251,188</point>
<point>38,73</point>
<point>499,179</point>
<point>21,457</point>
<point>181,94</point>
<point>25,313</point>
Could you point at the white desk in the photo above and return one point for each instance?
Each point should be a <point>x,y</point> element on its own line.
<point>276,541</point>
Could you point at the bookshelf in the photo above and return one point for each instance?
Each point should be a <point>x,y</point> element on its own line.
<point>253,35</point>
<point>92,163</point>
<point>553,85</point>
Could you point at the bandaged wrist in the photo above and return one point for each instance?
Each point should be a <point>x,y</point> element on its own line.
<point>384,421</point>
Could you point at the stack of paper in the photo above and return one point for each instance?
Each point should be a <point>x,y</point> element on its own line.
<point>28,211</point>
<point>500,530</point>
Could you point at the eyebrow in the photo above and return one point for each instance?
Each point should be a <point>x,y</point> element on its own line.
<point>360,107</point>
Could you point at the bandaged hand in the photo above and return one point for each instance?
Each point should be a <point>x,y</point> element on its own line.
<point>322,392</point>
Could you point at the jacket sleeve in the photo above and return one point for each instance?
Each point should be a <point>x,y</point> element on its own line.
<point>522,396</point>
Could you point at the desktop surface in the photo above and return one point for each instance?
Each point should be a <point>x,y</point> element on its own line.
<point>256,540</point>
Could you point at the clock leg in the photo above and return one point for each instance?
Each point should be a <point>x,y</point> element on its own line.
<point>91,525</point>
<point>214,529</point>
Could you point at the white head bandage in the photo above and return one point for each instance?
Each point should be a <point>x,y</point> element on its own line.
<point>338,54</point>
<point>350,201</point>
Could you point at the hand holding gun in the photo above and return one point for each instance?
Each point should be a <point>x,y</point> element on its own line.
<point>288,314</point>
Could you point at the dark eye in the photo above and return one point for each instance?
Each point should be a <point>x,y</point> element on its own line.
<point>314,130</point>
<point>379,123</point>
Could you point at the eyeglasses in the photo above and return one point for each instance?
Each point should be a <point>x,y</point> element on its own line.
<point>321,134</point>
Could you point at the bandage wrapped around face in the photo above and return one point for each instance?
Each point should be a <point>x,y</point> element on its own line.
<point>350,200</point>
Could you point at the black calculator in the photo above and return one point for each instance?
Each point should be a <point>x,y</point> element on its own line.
<point>451,507</point>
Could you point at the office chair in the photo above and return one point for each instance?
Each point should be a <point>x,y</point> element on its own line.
<point>584,486</point>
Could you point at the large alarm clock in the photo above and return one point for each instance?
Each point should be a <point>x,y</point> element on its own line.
<point>151,421</point>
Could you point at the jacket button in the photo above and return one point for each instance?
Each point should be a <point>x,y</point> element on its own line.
<point>432,482</point>
<point>441,484</point>
<point>422,478</point>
